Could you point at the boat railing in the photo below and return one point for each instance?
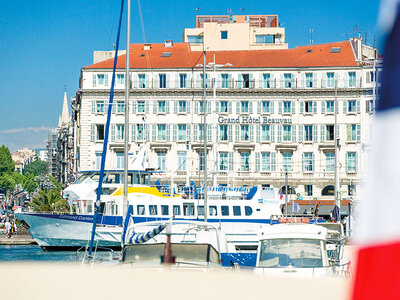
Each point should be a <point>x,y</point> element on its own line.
<point>83,257</point>
<point>295,218</point>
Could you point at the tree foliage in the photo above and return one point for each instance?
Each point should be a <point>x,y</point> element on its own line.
<point>50,200</point>
<point>7,181</point>
<point>57,185</point>
<point>37,168</point>
<point>6,163</point>
<point>29,183</point>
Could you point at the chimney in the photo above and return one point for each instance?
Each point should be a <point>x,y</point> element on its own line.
<point>168,43</point>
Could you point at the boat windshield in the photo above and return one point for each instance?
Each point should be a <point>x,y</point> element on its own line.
<point>84,177</point>
<point>183,253</point>
<point>299,253</point>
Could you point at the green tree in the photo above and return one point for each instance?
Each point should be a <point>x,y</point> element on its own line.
<point>7,182</point>
<point>29,183</point>
<point>37,168</point>
<point>6,163</point>
<point>57,185</point>
<point>50,200</point>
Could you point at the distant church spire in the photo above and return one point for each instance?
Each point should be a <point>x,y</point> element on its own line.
<point>65,117</point>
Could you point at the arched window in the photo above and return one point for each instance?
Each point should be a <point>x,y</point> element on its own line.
<point>291,191</point>
<point>329,190</point>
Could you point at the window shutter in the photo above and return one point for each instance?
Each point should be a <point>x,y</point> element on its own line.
<point>314,104</point>
<point>176,84</point>
<point>154,132</point>
<point>106,79</point>
<point>358,105</point>
<point>176,107</point>
<point>367,106</point>
<point>209,132</point>
<point>301,107</point>
<point>94,80</point>
<point>93,107</point>
<point>113,107</point>
<point>230,133</point>
<point>271,103</point>
<point>208,107</point>
<point>168,81</point>
<point>261,81</point>
<point>146,135</point>
<point>112,132</point>
<point>349,132</point>
<point>356,161</point>
<point>358,132</point>
<point>312,161</point>
<point>257,161</point>
<point>273,161</point>
<point>303,162</point>
<point>293,107</point>
<point>238,107</point>
<point>188,103</point>
<point>134,107</point>
<point>322,131</point>
<point>250,107</point>
<point>323,104</point>
<point>230,107</point>
<point>259,103</point>
<point>272,129</point>
<point>279,133</point>
<point>133,132</point>
<point>315,133</point>
<point>239,82</point>
<point>230,158</point>
<point>324,80</point>
<point>92,132</point>
<point>195,132</point>
<point>147,81</point>
<point>196,107</point>
<point>338,131</point>
<point>346,80</point>
<point>168,132</point>
<point>237,131</point>
<point>303,80</point>
<point>174,132</point>
<point>155,103</point>
<point>147,107</point>
<point>282,80</point>
<point>358,80</point>
<point>135,77</point>
<point>301,130</point>
<point>280,107</point>
<point>258,133</point>
<point>251,133</point>
<point>251,83</point>
<point>188,133</point>
<point>167,103</point>
<point>294,127</point>
<point>344,106</point>
<point>217,107</point>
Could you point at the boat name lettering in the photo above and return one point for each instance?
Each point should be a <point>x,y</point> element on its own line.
<point>77,217</point>
<point>253,120</point>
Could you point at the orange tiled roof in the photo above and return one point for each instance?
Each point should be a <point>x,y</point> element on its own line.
<point>182,57</point>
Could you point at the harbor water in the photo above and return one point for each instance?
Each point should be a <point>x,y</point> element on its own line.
<point>33,253</point>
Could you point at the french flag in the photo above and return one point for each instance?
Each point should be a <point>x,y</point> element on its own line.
<point>378,231</point>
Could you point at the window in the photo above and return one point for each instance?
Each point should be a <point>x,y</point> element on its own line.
<point>164,210</point>
<point>140,132</point>
<point>141,107</point>
<point>308,190</point>
<point>330,132</point>
<point>225,83</point>
<point>100,132</point>
<point>202,80</point>
<point>351,161</point>
<point>225,210</point>
<point>287,107</point>
<point>100,107</point>
<point>181,132</point>
<point>329,190</point>
<point>224,35</point>
<point>288,80</point>
<point>248,211</point>
<point>223,132</point>
<point>287,161</point>
<point>153,210</point>
<point>266,161</point>
<point>120,79</point>
<point>120,160</point>
<point>100,79</point>
<point>244,133</point>
<point>330,107</point>
<point>244,105</point>
<point>98,160</point>
<point>181,160</point>
<point>201,160</point>
<point>195,39</point>
<point>264,39</point>
<point>308,133</point>
<point>352,79</point>
<point>330,162</point>
<point>245,161</point>
<point>163,81</point>
<point>267,81</point>
<point>351,189</point>
<point>330,80</point>
<point>265,133</point>
<point>188,209</point>
<point>142,81</point>
<point>352,106</point>
<point>246,81</point>
<point>201,132</point>
<point>161,107</point>
<point>223,161</point>
<point>308,162</point>
<point>182,80</point>
<point>161,160</point>
<point>176,210</point>
<point>161,132</point>
<point>353,132</point>
<point>236,210</point>
<point>266,107</point>
<point>120,107</point>
<point>212,210</point>
<point>287,133</point>
<point>308,107</point>
<point>120,131</point>
<point>182,107</point>
<point>309,80</point>
<point>224,106</point>
<point>200,210</point>
<point>141,210</point>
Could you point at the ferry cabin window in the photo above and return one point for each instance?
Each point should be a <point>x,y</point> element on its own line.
<point>141,210</point>
<point>225,210</point>
<point>165,210</point>
<point>188,209</point>
<point>212,210</point>
<point>248,211</point>
<point>89,208</point>
<point>101,210</point>
<point>200,210</point>
<point>176,209</point>
<point>153,210</point>
<point>236,211</point>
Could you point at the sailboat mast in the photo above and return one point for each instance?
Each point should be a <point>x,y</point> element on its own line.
<point>127,86</point>
<point>205,134</point>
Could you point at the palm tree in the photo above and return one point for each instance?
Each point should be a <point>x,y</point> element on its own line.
<point>49,201</point>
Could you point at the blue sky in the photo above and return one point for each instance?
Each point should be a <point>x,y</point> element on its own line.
<point>44,44</point>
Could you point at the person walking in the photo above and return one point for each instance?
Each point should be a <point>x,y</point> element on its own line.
<point>8,229</point>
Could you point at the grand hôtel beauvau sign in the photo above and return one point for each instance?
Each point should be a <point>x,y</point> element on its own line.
<point>253,120</point>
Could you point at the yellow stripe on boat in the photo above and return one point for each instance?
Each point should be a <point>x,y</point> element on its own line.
<point>143,190</point>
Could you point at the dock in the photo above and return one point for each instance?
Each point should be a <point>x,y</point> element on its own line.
<point>17,240</point>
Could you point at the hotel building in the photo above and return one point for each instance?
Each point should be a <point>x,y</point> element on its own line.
<point>269,109</point>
